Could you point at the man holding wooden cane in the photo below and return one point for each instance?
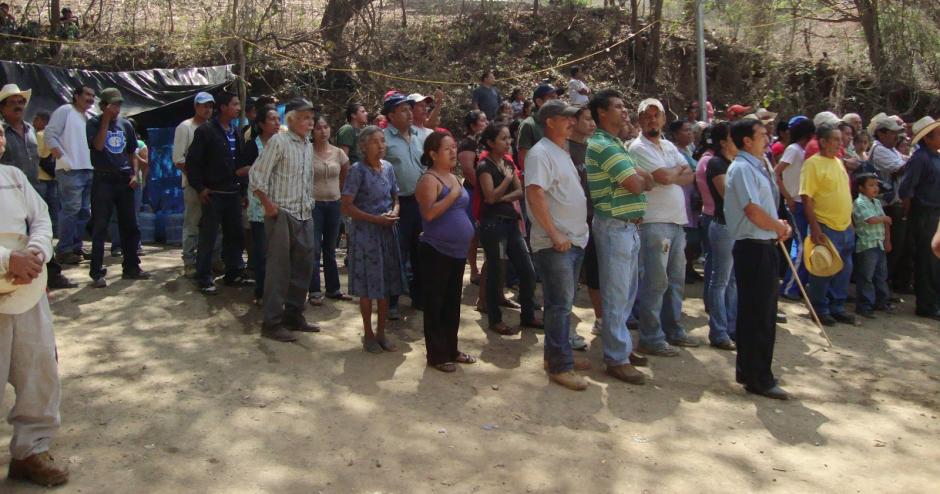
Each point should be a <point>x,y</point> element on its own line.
<point>751,198</point>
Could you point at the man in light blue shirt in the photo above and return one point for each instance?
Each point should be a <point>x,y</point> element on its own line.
<point>751,198</point>
<point>405,145</point>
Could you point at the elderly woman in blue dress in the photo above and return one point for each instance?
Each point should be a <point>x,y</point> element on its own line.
<point>370,198</point>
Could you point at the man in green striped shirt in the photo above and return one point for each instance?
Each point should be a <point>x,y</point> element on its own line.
<point>617,191</point>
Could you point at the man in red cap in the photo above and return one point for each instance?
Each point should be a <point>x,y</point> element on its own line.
<point>735,112</point>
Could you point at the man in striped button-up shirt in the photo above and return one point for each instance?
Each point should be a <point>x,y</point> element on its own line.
<point>282,179</point>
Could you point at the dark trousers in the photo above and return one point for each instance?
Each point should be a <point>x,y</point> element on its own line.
<point>223,210</point>
<point>289,259</point>
<point>326,223</point>
<point>409,232</point>
<point>441,303</point>
<point>112,194</point>
<point>927,271</point>
<point>501,239</point>
<point>757,311</point>
<point>258,247</point>
<point>901,257</point>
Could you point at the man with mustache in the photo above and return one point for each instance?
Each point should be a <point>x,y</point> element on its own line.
<point>22,151</point>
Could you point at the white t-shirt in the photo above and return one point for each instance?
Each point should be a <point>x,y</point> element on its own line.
<point>550,167</point>
<point>794,155</point>
<point>665,203</point>
<point>66,131</point>
<point>182,139</point>
<point>574,97</point>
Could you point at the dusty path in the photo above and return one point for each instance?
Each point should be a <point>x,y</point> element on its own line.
<point>165,390</point>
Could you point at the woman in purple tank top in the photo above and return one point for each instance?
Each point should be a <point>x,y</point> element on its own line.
<point>443,250</point>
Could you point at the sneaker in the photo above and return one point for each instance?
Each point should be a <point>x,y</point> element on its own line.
<point>315,299</point>
<point>827,320</point>
<point>240,280</point>
<point>686,341</point>
<point>569,380</point>
<point>139,275</point>
<point>666,350</point>
<point>598,324</point>
<point>99,283</point>
<point>40,469</point>
<point>85,253</point>
<point>69,258</point>
<point>117,253</point>
<point>209,288</point>
<point>578,342</point>
<point>725,345</point>
<point>626,373</point>
<point>393,314</point>
<point>278,333</point>
<point>781,318</point>
<point>844,318</point>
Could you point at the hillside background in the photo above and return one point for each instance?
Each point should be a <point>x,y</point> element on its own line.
<point>789,55</point>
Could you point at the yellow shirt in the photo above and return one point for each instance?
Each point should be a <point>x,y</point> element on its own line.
<point>826,181</point>
<point>44,152</point>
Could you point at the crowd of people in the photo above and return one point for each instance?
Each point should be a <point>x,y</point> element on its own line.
<point>30,30</point>
<point>590,190</point>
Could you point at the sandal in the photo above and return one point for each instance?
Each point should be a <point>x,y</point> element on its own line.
<point>500,328</point>
<point>446,367</point>
<point>371,345</point>
<point>465,358</point>
<point>386,344</point>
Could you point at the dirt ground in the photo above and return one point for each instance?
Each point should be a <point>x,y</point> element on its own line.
<point>165,390</point>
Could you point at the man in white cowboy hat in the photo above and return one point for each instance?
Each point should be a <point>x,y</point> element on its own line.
<point>22,151</point>
<point>920,193</point>
<point>425,120</point>
<point>827,202</point>
<point>27,343</point>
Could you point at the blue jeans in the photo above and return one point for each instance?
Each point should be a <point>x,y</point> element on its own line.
<point>723,292</point>
<point>559,271</point>
<point>828,294</point>
<point>871,280</point>
<point>75,198</point>
<point>49,191</point>
<point>800,229</point>
<point>662,254</point>
<point>326,221</point>
<point>618,248</point>
<point>703,223</point>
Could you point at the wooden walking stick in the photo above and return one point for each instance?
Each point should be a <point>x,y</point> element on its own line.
<point>786,255</point>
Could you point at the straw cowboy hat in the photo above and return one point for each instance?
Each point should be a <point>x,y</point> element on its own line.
<point>821,260</point>
<point>923,127</point>
<point>13,90</point>
<point>17,299</point>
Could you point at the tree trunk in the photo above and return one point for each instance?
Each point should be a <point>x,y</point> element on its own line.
<point>634,16</point>
<point>535,7</point>
<point>53,18</point>
<point>336,16</point>
<point>404,16</point>
<point>649,57</point>
<point>868,17</point>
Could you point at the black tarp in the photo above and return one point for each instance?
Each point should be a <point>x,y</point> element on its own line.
<point>155,98</point>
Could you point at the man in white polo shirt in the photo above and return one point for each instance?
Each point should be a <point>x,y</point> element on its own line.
<point>662,238</point>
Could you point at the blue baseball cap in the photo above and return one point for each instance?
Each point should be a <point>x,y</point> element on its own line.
<point>795,120</point>
<point>543,90</point>
<point>204,97</point>
<point>393,100</point>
